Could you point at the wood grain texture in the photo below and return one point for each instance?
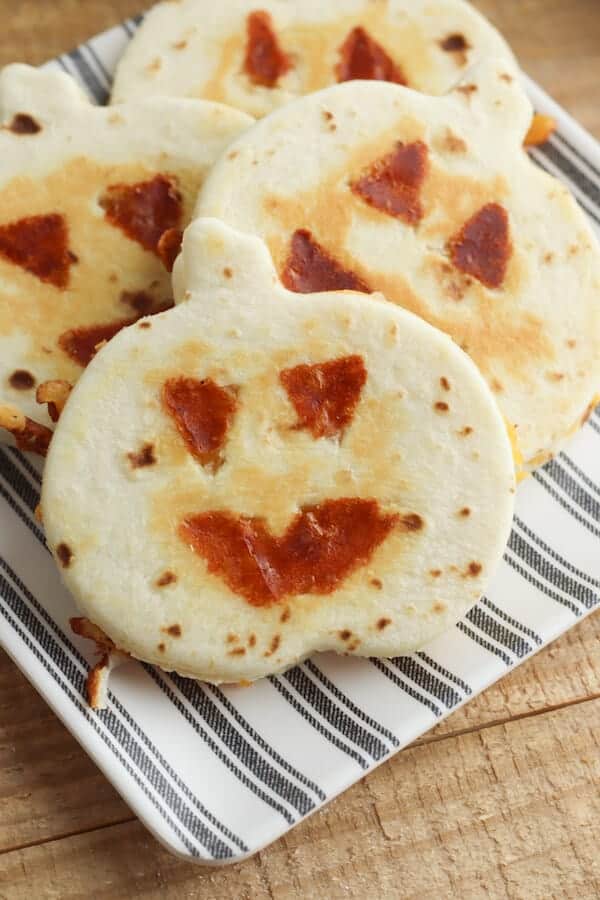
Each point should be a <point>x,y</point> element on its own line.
<point>501,800</point>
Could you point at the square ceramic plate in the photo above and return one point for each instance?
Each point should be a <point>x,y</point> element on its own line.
<point>218,773</point>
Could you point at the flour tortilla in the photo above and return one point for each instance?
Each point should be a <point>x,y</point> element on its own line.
<point>195,49</point>
<point>58,154</point>
<point>534,329</point>
<point>425,444</point>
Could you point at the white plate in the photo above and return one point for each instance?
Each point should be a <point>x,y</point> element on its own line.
<point>216,774</point>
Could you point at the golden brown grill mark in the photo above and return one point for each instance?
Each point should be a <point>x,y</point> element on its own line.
<point>309,268</point>
<point>361,56</point>
<point>202,412</point>
<point>321,547</point>
<point>325,395</point>
<point>265,61</point>
<point>483,247</point>
<point>144,210</point>
<point>39,244</point>
<point>393,183</point>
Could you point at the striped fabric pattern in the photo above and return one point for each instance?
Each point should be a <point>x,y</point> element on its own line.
<point>217,773</point>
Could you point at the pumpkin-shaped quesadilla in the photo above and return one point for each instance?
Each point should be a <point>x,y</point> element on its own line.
<point>259,55</point>
<point>254,476</point>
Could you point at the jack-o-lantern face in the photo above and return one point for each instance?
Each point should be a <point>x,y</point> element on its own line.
<point>86,195</point>
<point>252,476</point>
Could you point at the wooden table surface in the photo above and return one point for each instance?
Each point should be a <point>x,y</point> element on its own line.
<point>500,800</point>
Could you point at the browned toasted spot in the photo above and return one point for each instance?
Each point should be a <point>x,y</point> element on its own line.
<point>232,638</point>
<point>227,272</point>
<point>393,183</point>
<point>161,647</point>
<point>142,457</point>
<point>573,249</point>
<point>38,514</point>
<point>363,57</point>
<point>383,623</point>
<point>82,344</point>
<point>445,383</point>
<point>473,569</point>
<point>173,630</point>
<point>23,123</point>
<point>237,651</point>
<point>435,573</point>
<point>21,380</point>
<point>353,646</point>
<point>571,343</point>
<point>274,645</point>
<point>202,412</point>
<point>466,431</point>
<point>411,522</point>
<point>309,268</point>
<point>506,77</point>
<point>145,210</point>
<point>345,634</point>
<point>55,394</point>
<point>139,302</point>
<point>144,324</point>
<point>467,89</point>
<point>548,257</point>
<point>39,244</point>
<point>265,61</point>
<point>464,512</point>
<point>482,248</point>
<point>285,615</point>
<point>555,376</point>
<point>252,640</point>
<point>376,583</point>
<point>325,395</point>
<point>321,547</point>
<point>64,554</point>
<point>166,578</point>
<point>439,606</point>
<point>169,247</point>
<point>451,142</point>
<point>441,406</point>
<point>454,43</point>
<point>180,45</point>
<point>496,386</point>
<point>155,65</point>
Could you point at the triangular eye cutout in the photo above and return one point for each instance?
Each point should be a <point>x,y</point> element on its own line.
<point>325,395</point>
<point>309,268</point>
<point>362,57</point>
<point>482,247</point>
<point>39,244</point>
<point>393,183</point>
<point>202,412</point>
<point>265,61</point>
<point>144,211</point>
